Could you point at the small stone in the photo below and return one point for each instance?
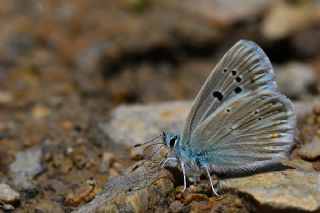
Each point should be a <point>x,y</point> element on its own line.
<point>118,166</point>
<point>40,112</point>
<point>65,166</point>
<point>106,162</point>
<point>27,165</point>
<point>7,194</point>
<point>67,125</point>
<point>6,207</point>
<point>5,97</point>
<point>84,193</point>
<point>311,150</point>
<point>296,80</point>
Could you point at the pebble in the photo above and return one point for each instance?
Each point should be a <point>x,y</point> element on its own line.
<point>8,195</point>
<point>106,162</point>
<point>296,80</point>
<point>40,112</point>
<point>84,193</point>
<point>27,165</point>
<point>311,150</point>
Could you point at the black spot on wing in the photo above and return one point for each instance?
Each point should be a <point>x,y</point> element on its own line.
<point>217,95</point>
<point>237,90</point>
<point>238,79</point>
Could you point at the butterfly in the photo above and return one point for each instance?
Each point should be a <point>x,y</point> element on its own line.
<point>239,120</point>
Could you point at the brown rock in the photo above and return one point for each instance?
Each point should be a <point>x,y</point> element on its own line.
<point>311,150</point>
<point>84,193</point>
<point>284,19</point>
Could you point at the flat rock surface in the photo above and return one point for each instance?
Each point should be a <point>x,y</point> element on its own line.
<point>289,189</point>
<point>134,124</point>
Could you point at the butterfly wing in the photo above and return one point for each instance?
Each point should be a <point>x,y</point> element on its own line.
<point>246,132</point>
<point>245,67</point>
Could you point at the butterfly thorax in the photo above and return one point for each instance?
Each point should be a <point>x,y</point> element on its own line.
<point>191,160</point>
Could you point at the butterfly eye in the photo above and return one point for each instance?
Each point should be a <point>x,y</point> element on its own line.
<point>172,141</point>
<point>233,72</point>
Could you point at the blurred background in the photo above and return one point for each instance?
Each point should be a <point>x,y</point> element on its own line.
<point>65,64</point>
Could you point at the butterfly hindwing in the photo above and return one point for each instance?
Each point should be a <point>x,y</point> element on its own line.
<point>246,132</point>
<point>245,67</point>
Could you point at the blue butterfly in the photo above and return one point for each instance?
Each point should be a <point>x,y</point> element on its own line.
<point>238,122</point>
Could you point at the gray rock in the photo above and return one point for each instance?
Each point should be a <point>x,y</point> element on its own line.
<point>27,165</point>
<point>7,194</point>
<point>281,190</point>
<point>135,124</point>
<point>296,80</point>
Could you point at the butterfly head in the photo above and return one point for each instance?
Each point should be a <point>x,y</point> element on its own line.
<point>171,140</point>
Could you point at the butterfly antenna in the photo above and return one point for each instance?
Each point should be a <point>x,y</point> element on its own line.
<point>146,148</point>
<point>141,144</point>
<point>150,157</point>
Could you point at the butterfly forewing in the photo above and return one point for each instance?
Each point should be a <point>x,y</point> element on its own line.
<point>245,67</point>
<point>249,131</point>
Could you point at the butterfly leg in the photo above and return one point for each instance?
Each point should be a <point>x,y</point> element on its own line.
<point>184,176</point>
<point>208,173</point>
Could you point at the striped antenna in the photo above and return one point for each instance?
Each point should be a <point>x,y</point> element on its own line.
<point>141,144</point>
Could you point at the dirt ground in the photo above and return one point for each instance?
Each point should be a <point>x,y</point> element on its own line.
<point>65,64</point>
